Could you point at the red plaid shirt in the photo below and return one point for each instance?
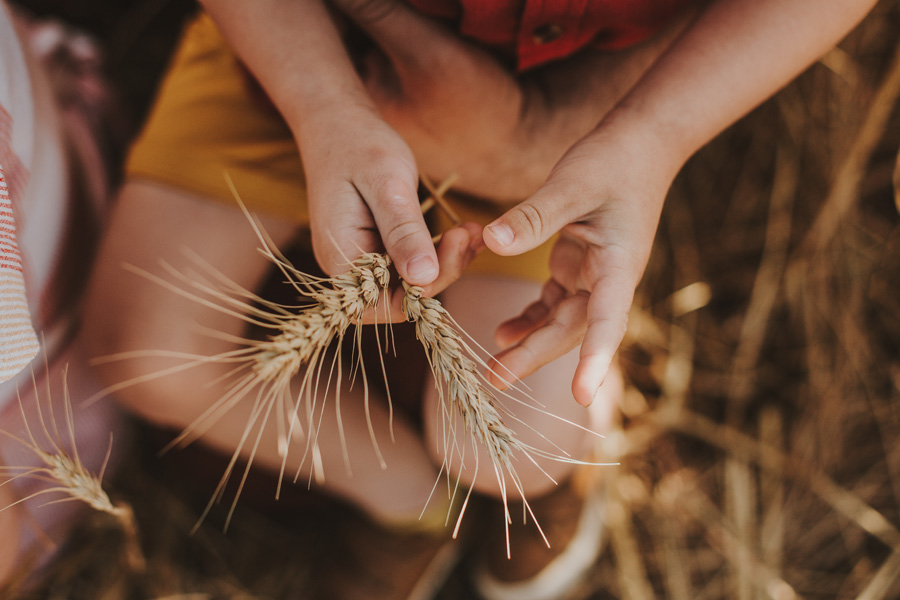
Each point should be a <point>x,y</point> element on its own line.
<point>537,31</point>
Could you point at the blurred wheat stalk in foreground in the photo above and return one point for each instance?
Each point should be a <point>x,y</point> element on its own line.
<point>64,471</point>
<point>760,452</point>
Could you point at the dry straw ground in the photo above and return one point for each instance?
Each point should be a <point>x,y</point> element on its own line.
<point>759,440</point>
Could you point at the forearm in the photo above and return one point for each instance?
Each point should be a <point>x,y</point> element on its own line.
<point>734,56</point>
<point>361,177</point>
<point>561,103</point>
<point>294,50</point>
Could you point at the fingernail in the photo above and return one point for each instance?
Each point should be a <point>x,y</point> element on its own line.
<point>502,233</point>
<point>421,269</point>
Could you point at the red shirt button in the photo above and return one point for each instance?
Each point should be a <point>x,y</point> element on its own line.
<point>546,33</point>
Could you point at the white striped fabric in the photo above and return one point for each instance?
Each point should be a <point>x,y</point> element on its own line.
<point>18,342</point>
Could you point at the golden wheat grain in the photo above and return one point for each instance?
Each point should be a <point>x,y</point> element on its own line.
<point>299,346</point>
<point>304,338</point>
<point>300,341</point>
<point>297,351</point>
<point>66,473</point>
<point>464,392</point>
<point>335,304</point>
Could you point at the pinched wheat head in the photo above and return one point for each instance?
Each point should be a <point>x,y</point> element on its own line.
<point>465,393</point>
<point>299,346</point>
<point>301,343</point>
<point>336,304</point>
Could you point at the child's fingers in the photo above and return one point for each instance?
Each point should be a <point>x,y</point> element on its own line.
<point>607,319</point>
<point>596,320</point>
<point>456,250</point>
<point>534,221</point>
<point>337,242</point>
<point>341,227</point>
<point>395,208</point>
<point>533,316</point>
<point>587,302</point>
<point>560,332</point>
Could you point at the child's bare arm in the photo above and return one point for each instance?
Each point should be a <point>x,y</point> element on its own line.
<point>606,193</point>
<point>361,176</point>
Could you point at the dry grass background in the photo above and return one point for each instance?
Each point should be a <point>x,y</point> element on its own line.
<point>759,441</point>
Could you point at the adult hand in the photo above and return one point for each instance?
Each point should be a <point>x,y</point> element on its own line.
<point>461,111</point>
<point>464,112</point>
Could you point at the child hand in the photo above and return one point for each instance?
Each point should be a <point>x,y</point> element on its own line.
<point>361,176</point>
<point>362,182</point>
<point>366,199</point>
<point>605,198</point>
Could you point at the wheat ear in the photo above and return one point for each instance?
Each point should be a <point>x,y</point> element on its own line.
<point>304,337</point>
<point>301,338</point>
<point>338,302</point>
<point>464,392</point>
<point>67,473</point>
<point>264,370</point>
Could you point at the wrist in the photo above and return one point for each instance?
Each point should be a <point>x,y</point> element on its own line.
<point>333,131</point>
<point>327,112</point>
<point>647,142</point>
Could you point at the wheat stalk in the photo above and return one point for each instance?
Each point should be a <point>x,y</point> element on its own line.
<point>66,473</point>
<point>299,344</point>
<point>300,339</point>
<point>464,392</point>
